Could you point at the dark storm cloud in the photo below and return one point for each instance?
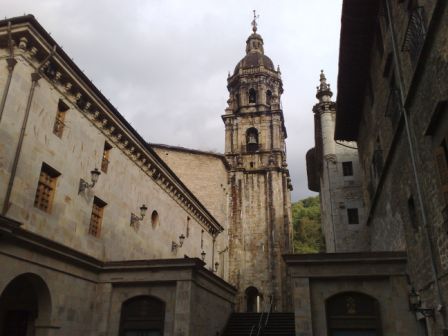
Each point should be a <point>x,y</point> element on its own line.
<point>164,64</point>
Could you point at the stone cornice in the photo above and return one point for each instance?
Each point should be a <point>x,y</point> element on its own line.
<point>192,151</point>
<point>354,258</point>
<point>33,44</point>
<point>362,265</point>
<point>260,71</point>
<point>11,231</point>
<point>238,115</point>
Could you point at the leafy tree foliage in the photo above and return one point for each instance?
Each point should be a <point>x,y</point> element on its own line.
<point>308,236</point>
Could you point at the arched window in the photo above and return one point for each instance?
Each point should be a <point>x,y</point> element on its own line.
<point>353,314</point>
<point>142,315</point>
<point>252,139</point>
<point>154,219</point>
<point>268,97</point>
<point>252,96</point>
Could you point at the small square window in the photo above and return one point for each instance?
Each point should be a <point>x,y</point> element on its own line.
<point>46,188</point>
<point>353,217</point>
<point>347,168</point>
<point>105,159</point>
<point>59,122</point>
<point>96,218</point>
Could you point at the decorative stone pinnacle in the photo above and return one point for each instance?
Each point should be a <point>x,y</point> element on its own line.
<point>323,89</point>
<point>323,81</point>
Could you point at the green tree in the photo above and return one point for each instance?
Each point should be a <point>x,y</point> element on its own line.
<point>308,236</point>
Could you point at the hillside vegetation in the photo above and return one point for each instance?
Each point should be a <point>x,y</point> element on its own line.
<point>307,234</point>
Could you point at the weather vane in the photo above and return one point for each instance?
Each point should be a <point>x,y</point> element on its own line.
<point>254,22</point>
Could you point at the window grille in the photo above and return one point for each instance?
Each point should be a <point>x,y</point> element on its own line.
<point>393,107</point>
<point>353,217</point>
<point>347,168</point>
<point>97,217</point>
<point>43,199</point>
<point>415,33</point>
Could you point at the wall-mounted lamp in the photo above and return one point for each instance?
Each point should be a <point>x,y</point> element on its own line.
<point>216,267</point>
<point>136,219</point>
<point>83,185</point>
<point>415,304</point>
<point>175,246</point>
<point>203,255</point>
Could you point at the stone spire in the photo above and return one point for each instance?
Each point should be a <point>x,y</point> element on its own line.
<point>324,93</point>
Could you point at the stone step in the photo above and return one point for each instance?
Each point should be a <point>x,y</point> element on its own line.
<point>241,324</point>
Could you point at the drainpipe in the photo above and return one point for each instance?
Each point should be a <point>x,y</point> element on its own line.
<point>35,76</point>
<point>413,153</point>
<point>11,62</point>
<point>213,251</point>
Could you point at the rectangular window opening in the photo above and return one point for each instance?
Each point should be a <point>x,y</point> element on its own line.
<point>347,168</point>
<point>353,217</point>
<point>96,218</point>
<point>412,213</point>
<point>46,187</point>
<point>105,159</point>
<point>59,121</point>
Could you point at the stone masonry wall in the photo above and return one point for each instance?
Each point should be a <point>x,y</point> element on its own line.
<point>125,187</point>
<point>206,176</point>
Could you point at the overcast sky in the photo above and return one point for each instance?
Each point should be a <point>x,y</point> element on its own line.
<point>163,63</point>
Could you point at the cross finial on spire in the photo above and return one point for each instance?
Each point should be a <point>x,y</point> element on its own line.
<point>254,22</point>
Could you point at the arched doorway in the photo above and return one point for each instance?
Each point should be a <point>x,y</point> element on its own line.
<point>253,300</point>
<point>353,314</point>
<point>142,316</point>
<point>24,301</point>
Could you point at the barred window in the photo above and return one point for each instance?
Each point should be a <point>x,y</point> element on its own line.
<point>105,159</point>
<point>438,130</point>
<point>43,199</point>
<point>59,122</point>
<point>441,154</point>
<point>353,217</point>
<point>347,168</point>
<point>415,33</point>
<point>97,217</point>
<point>393,108</point>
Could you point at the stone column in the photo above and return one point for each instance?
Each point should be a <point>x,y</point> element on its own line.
<point>182,311</point>
<point>103,302</point>
<point>302,307</point>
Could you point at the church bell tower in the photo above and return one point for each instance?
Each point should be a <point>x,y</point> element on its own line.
<point>260,216</point>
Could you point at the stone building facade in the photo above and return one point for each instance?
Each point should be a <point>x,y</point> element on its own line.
<point>102,233</point>
<point>395,107</point>
<point>333,171</point>
<point>78,254</point>
<point>391,103</point>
